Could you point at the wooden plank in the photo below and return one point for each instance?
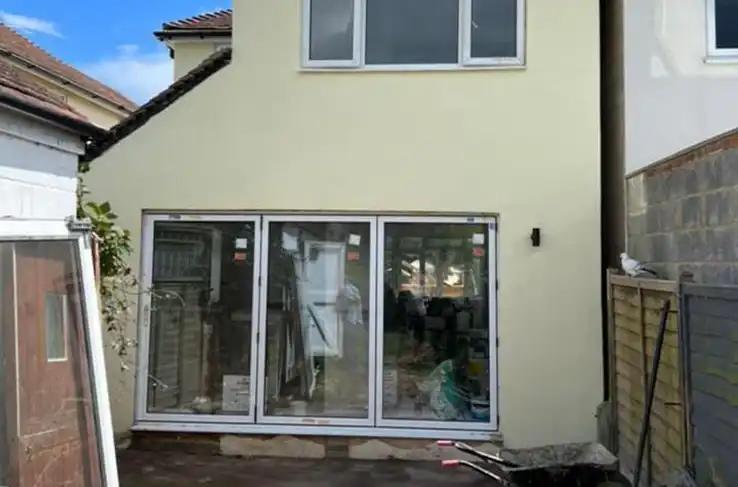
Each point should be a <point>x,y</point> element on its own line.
<point>649,284</point>
<point>655,300</point>
<point>626,310</point>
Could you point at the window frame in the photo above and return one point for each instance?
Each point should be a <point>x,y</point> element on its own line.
<point>713,51</point>
<point>464,59</point>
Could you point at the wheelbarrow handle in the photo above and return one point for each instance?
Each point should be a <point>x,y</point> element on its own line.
<point>474,466</point>
<point>487,457</point>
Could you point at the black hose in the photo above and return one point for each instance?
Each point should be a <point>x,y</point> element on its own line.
<point>646,424</point>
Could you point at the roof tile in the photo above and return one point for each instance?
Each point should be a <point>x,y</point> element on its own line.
<point>19,86</point>
<point>15,45</point>
<point>218,20</point>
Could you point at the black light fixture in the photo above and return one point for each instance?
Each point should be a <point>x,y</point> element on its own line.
<point>535,237</point>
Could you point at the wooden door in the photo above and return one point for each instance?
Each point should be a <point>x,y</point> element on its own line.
<point>57,438</point>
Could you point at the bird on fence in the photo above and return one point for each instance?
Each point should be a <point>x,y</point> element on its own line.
<point>635,268</point>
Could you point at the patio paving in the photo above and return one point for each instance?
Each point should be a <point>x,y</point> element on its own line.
<point>169,469</point>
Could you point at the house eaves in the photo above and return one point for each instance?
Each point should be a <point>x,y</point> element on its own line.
<point>158,104</point>
<point>20,93</point>
<point>211,24</point>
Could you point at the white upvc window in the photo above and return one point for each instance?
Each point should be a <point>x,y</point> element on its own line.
<point>722,34</point>
<point>412,34</point>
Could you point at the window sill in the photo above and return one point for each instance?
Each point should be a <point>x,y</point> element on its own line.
<point>404,68</point>
<point>721,59</point>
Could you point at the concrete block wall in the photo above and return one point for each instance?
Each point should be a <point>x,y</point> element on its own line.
<point>682,212</point>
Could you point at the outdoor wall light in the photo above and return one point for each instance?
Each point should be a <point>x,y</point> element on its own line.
<point>535,237</point>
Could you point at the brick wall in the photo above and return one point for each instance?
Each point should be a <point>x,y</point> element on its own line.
<point>682,212</point>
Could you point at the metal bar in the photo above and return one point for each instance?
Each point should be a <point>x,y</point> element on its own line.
<point>488,457</point>
<point>646,424</point>
<point>685,372</point>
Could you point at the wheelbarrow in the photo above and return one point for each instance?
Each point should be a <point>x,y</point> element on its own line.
<point>568,465</point>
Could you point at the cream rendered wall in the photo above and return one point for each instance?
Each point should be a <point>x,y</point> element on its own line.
<point>189,54</point>
<point>673,97</point>
<point>97,115</point>
<point>521,143</point>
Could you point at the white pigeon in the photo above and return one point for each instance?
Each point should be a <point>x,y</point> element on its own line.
<point>635,268</point>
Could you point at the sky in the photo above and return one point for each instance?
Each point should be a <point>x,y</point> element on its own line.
<point>110,41</point>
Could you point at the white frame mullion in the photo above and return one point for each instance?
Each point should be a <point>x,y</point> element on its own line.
<point>24,230</point>
<point>465,32</point>
<point>144,318</point>
<point>358,43</point>
<point>492,425</point>
<point>713,51</point>
<point>321,421</point>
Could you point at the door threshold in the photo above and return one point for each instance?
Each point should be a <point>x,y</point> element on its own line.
<point>297,430</point>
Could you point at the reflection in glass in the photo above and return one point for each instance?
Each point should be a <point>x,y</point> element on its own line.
<point>56,414</point>
<point>433,38</point>
<point>201,317</point>
<point>494,28</point>
<point>726,17</point>
<point>331,30</point>
<point>317,319</point>
<point>436,322</point>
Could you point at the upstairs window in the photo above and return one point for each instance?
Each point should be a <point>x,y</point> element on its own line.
<point>722,18</point>
<point>412,34</point>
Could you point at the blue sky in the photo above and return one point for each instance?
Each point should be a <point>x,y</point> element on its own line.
<point>111,41</point>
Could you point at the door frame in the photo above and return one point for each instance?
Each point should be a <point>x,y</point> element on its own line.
<point>492,424</point>
<point>321,421</point>
<point>25,230</point>
<point>146,269</point>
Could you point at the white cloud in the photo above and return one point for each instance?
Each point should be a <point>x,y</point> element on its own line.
<point>138,75</point>
<point>29,25</point>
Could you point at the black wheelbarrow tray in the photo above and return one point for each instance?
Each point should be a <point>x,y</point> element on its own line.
<point>568,465</point>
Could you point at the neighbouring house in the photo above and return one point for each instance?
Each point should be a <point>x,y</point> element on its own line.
<point>370,222</point>
<point>98,103</point>
<point>192,40</point>
<point>669,75</point>
<point>55,423</point>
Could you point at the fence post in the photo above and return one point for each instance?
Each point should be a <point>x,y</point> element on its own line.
<point>612,366</point>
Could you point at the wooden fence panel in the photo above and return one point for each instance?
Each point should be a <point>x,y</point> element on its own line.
<point>634,312</point>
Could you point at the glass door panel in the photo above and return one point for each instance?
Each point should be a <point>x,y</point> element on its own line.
<point>436,359</point>
<point>318,325</point>
<point>202,315</point>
